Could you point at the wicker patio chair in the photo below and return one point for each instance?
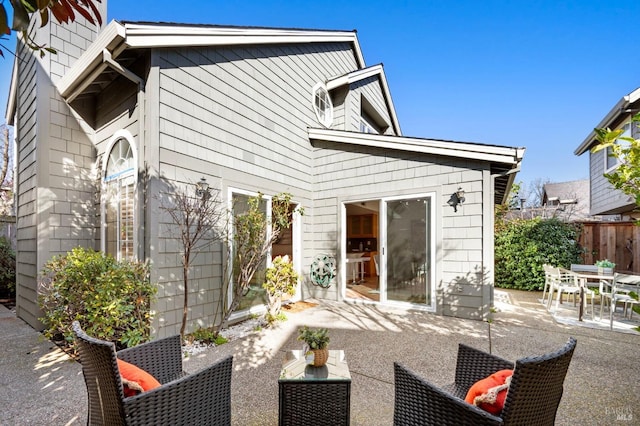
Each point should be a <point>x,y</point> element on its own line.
<point>200,398</point>
<point>532,399</point>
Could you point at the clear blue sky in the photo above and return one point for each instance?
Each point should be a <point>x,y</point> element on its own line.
<point>538,74</point>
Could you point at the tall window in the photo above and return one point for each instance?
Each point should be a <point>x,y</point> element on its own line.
<point>255,294</point>
<point>119,200</point>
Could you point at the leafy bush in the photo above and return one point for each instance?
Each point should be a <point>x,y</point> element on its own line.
<point>110,299</point>
<point>7,269</point>
<point>523,246</point>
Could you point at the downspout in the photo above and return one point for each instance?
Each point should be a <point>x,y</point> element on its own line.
<point>131,76</point>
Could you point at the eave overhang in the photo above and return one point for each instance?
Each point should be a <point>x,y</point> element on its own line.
<point>504,161</point>
<point>118,37</point>
<point>618,113</point>
<point>359,75</point>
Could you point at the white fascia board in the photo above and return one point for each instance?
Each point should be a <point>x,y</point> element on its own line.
<point>111,38</point>
<point>158,35</point>
<point>10,111</point>
<point>490,153</point>
<point>355,76</point>
<point>613,114</point>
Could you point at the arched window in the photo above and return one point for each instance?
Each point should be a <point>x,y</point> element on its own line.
<point>118,212</point>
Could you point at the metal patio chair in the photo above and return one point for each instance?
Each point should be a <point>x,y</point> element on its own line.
<point>532,399</point>
<point>200,398</point>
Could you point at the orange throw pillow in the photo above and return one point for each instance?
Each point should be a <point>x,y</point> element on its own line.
<point>135,380</point>
<point>490,393</point>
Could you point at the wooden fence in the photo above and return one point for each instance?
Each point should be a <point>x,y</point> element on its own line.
<point>617,241</point>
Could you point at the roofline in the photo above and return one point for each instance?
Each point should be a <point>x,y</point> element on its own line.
<point>473,151</point>
<point>10,110</point>
<point>359,75</point>
<point>613,114</point>
<point>118,36</point>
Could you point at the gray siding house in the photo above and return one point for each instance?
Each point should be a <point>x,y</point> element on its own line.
<point>605,200</point>
<point>141,108</point>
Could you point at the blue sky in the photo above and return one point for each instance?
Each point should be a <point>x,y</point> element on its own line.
<point>538,74</point>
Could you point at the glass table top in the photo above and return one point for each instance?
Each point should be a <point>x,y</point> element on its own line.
<point>296,368</point>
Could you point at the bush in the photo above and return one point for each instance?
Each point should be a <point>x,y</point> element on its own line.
<point>523,246</point>
<point>7,269</point>
<point>110,299</point>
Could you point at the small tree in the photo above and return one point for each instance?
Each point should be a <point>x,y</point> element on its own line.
<point>280,280</point>
<point>626,176</point>
<point>111,299</point>
<point>253,235</point>
<point>200,223</point>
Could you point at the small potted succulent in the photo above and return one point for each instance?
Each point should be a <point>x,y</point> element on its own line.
<point>605,266</point>
<point>317,342</point>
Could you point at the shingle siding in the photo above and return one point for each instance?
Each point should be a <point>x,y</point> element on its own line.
<point>238,116</point>
<point>374,173</point>
<point>55,188</point>
<point>604,198</point>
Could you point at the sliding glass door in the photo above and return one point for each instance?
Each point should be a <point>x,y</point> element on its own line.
<point>393,260</point>
<point>408,257</point>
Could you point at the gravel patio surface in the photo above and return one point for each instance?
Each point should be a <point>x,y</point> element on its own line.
<point>41,385</point>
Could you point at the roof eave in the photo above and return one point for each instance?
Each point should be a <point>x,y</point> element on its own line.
<point>10,111</point>
<point>355,76</point>
<point>112,38</point>
<point>492,153</point>
<point>159,35</point>
<point>611,116</point>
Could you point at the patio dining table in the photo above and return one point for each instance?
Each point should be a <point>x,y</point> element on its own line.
<point>583,277</point>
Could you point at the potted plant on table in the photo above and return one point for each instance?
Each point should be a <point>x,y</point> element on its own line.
<point>317,342</point>
<point>605,266</point>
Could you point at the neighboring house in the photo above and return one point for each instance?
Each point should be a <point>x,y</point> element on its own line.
<point>119,120</point>
<point>568,201</point>
<point>605,200</point>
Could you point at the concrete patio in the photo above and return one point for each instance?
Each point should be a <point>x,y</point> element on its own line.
<point>41,385</point>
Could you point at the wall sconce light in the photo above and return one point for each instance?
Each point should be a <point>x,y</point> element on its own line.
<point>202,189</point>
<point>456,199</point>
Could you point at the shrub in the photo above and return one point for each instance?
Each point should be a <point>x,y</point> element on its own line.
<point>7,269</point>
<point>523,246</point>
<point>110,299</point>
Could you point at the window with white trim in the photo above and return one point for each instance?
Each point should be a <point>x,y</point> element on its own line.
<point>119,200</point>
<point>322,105</point>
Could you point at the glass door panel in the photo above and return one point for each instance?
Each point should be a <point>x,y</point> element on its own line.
<point>409,252</point>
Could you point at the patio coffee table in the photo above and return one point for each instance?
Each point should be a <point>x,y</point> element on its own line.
<point>311,395</point>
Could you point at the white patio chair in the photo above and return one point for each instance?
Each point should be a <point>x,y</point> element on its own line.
<point>567,282</point>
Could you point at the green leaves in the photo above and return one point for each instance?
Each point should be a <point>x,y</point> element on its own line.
<point>626,175</point>
<point>523,246</point>
<point>111,299</point>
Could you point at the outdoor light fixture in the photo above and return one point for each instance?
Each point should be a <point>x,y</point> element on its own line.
<point>202,189</point>
<point>456,199</point>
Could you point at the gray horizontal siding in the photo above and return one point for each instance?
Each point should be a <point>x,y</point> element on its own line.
<point>356,173</point>
<point>604,198</point>
<point>238,116</point>
<point>369,88</point>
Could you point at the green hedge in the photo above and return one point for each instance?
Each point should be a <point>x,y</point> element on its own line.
<point>523,246</point>
<point>110,299</point>
<point>7,270</point>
